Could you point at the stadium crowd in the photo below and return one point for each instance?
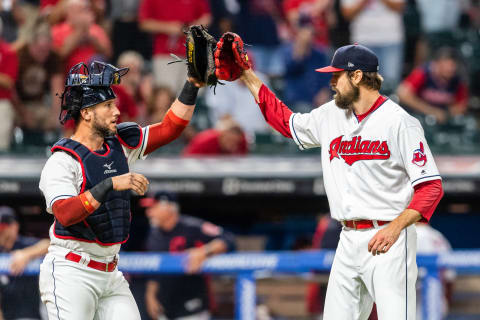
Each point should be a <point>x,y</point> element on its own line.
<point>428,56</point>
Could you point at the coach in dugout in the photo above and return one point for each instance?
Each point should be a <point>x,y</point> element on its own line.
<point>19,299</point>
<point>181,296</point>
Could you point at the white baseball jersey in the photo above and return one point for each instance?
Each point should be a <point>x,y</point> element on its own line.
<point>369,167</point>
<point>62,178</point>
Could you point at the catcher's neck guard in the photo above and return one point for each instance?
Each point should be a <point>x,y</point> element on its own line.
<point>86,87</point>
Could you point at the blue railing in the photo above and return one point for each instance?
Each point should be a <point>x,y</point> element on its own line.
<point>245,266</point>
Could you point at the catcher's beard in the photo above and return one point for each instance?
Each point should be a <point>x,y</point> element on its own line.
<point>100,129</point>
<point>345,101</point>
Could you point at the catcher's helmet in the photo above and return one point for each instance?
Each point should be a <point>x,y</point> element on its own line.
<point>87,87</point>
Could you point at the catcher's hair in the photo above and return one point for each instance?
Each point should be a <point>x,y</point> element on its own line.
<point>371,80</point>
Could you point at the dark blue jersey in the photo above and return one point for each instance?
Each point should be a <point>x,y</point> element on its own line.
<point>183,295</point>
<point>19,295</point>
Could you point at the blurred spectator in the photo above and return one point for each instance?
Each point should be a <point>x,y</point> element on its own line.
<point>431,241</point>
<point>8,76</point>
<point>436,89</point>
<point>319,12</point>
<point>438,24</point>
<point>222,16</point>
<point>136,82</point>
<point>472,10</point>
<point>181,296</point>
<point>160,100</point>
<point>303,85</point>
<point>339,30</point>
<point>79,38</point>
<point>234,100</point>
<point>40,78</point>
<point>126,104</point>
<point>166,20</point>
<point>56,10</point>
<point>258,21</point>
<point>126,34</point>
<point>444,16</point>
<point>19,295</point>
<point>227,138</point>
<point>378,24</point>
<point>15,15</point>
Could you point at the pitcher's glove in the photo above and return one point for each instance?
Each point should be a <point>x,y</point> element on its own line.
<point>200,47</point>
<point>231,57</point>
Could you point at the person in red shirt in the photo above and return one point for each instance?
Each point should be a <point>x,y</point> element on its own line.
<point>436,89</point>
<point>40,78</point>
<point>8,76</point>
<point>79,38</point>
<point>227,139</point>
<point>166,20</point>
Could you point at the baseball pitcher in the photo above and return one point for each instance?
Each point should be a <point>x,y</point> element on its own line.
<point>379,174</point>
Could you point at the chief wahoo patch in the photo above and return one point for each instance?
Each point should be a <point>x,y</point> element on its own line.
<point>419,156</point>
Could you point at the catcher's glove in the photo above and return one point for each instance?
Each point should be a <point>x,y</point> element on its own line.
<point>200,47</point>
<point>231,57</point>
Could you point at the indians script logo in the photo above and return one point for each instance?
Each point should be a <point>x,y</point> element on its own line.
<point>109,168</point>
<point>419,156</point>
<point>358,149</point>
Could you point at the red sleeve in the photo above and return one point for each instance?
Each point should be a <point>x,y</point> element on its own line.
<point>275,112</point>
<point>72,210</point>
<point>426,197</point>
<point>169,129</point>
<point>461,96</point>
<point>415,79</point>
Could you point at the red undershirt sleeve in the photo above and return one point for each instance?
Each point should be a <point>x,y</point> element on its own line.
<point>72,210</point>
<point>275,112</point>
<point>162,133</point>
<point>426,197</point>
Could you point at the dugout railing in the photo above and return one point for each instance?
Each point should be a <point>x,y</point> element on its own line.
<point>245,267</point>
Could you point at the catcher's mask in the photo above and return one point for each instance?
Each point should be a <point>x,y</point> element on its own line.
<point>86,87</point>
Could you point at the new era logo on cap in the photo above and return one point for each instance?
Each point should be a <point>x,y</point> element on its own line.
<point>352,57</point>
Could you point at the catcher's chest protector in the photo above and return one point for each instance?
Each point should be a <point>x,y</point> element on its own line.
<point>110,223</point>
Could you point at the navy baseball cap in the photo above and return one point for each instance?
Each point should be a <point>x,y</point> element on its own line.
<point>7,216</point>
<point>352,57</point>
<point>151,199</point>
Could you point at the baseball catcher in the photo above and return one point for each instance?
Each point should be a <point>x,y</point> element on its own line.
<point>87,183</point>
